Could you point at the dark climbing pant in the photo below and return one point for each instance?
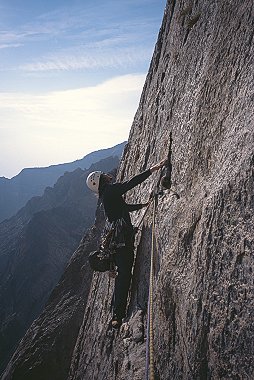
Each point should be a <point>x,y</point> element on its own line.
<point>124,261</point>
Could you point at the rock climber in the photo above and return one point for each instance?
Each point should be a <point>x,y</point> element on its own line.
<point>117,210</point>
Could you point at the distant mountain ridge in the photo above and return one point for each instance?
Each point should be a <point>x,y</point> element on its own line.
<point>35,246</point>
<point>30,182</point>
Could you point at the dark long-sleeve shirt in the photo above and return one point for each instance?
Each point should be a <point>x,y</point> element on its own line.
<point>114,205</point>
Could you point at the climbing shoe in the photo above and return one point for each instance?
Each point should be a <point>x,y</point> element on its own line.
<point>116,322</point>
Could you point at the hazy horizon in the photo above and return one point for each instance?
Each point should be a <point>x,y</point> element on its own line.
<point>62,163</point>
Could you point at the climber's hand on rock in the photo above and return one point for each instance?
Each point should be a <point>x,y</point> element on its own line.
<point>159,165</point>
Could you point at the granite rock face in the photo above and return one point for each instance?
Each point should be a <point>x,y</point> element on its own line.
<point>199,88</point>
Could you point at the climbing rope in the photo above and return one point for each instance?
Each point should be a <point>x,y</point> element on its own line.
<point>144,214</point>
<point>149,342</point>
<point>164,182</point>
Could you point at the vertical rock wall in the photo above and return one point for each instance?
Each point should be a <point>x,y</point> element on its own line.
<point>200,88</point>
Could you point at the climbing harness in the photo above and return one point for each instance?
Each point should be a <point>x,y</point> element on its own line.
<point>102,260</point>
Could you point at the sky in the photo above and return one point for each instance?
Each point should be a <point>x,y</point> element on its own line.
<point>71,76</point>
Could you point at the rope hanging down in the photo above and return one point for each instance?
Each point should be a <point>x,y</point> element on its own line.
<point>149,343</point>
<point>165,182</point>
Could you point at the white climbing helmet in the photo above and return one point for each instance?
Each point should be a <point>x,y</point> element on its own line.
<point>93,181</point>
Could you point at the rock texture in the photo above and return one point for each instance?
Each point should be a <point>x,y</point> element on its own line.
<point>31,182</point>
<point>199,88</point>
<point>35,247</point>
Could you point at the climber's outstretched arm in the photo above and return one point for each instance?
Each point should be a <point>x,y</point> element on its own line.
<point>128,185</point>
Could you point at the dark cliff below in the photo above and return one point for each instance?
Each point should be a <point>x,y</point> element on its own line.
<point>199,88</point>
<point>35,247</point>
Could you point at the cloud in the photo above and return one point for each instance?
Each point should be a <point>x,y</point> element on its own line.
<point>6,46</point>
<point>111,99</point>
<point>71,22</point>
<point>14,37</point>
<point>114,46</point>
<point>64,125</point>
<point>82,38</point>
<point>122,58</point>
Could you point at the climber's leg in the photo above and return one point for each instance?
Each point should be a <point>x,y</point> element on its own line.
<point>124,262</point>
